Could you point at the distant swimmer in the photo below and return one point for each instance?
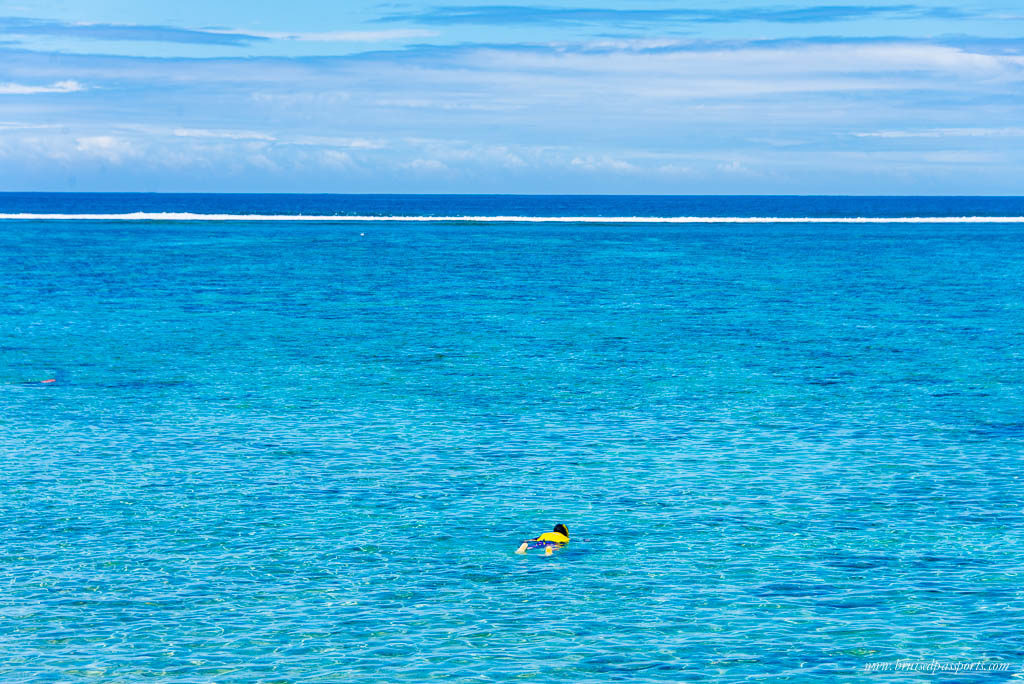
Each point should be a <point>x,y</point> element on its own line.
<point>549,541</point>
<point>58,377</point>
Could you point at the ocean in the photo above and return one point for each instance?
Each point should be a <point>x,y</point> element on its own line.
<point>785,434</point>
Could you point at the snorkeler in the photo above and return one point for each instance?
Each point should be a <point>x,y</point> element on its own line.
<point>549,541</point>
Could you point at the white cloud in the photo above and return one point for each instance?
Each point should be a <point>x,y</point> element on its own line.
<point>330,141</point>
<point>733,166</point>
<point>631,44</point>
<point>443,102</point>
<point>675,170</point>
<point>105,147</point>
<point>58,87</point>
<point>463,153</point>
<point>602,163</point>
<point>336,159</point>
<point>318,99</point>
<point>426,165</point>
<point>260,159</point>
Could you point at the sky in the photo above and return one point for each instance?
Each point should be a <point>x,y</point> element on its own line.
<point>562,96</point>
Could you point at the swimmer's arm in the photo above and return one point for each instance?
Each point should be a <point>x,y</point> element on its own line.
<point>522,547</point>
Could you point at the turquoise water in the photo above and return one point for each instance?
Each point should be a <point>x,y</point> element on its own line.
<point>293,452</point>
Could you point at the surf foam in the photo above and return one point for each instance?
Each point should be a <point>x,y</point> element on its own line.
<point>188,216</point>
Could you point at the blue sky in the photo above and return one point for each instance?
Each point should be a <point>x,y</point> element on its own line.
<point>548,97</point>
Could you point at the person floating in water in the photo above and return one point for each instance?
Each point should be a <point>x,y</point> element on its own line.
<point>549,541</point>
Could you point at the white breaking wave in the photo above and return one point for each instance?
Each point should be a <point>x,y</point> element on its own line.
<point>188,216</point>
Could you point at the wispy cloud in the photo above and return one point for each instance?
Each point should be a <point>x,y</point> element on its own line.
<point>331,141</point>
<point>221,134</point>
<point>281,138</point>
<point>525,14</point>
<point>58,87</point>
<point>28,27</point>
<point>342,36</point>
<point>22,26</point>
<point>1009,132</point>
<point>606,115</point>
<point>473,82</point>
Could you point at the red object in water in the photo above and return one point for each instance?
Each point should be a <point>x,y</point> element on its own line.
<point>50,380</point>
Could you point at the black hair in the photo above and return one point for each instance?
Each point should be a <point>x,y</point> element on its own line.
<point>562,529</point>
